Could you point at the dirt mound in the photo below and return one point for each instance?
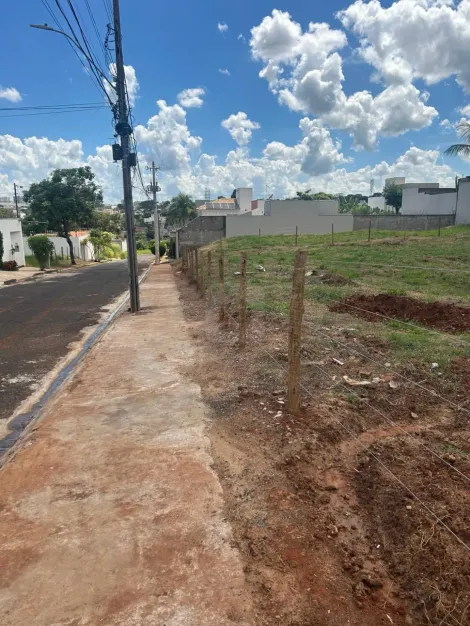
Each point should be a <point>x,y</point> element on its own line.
<point>444,316</point>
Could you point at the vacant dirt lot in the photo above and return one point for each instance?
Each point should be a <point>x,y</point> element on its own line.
<point>334,510</point>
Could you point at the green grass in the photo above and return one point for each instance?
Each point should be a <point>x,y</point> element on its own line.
<point>389,264</point>
<point>31,261</point>
<point>147,251</point>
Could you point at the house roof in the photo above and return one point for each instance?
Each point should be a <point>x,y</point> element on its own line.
<point>220,203</point>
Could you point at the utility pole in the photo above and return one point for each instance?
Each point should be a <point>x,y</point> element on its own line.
<point>124,130</point>
<point>16,201</point>
<point>154,188</point>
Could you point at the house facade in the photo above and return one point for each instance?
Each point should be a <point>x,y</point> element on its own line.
<point>13,246</point>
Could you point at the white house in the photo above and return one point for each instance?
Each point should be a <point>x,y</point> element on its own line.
<point>13,247</point>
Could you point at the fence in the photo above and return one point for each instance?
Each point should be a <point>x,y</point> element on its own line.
<point>298,301</point>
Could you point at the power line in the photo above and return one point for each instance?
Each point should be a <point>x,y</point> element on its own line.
<point>71,110</point>
<point>94,80</point>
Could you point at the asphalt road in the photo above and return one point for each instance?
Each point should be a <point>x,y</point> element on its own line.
<point>38,320</point>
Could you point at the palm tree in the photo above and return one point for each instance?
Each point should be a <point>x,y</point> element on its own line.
<point>181,210</point>
<point>461,149</point>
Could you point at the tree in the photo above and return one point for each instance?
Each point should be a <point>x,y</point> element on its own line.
<point>42,248</point>
<point>393,196</point>
<point>461,149</point>
<point>5,212</point>
<point>306,195</point>
<point>65,201</point>
<point>181,210</point>
<point>109,222</point>
<point>142,211</point>
<point>101,241</point>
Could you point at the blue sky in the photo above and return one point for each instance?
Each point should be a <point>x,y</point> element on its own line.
<point>405,120</point>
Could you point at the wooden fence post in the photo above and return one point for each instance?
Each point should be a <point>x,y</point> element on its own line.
<point>242,302</point>
<point>295,331</point>
<point>191,264</point>
<point>370,226</point>
<point>296,235</point>
<point>196,253</point>
<point>332,234</point>
<point>439,228</point>
<point>209,277</point>
<point>202,284</point>
<point>221,284</point>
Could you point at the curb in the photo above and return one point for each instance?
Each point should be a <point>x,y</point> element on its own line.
<point>38,274</point>
<point>22,423</point>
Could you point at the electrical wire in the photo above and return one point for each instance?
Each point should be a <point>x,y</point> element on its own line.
<point>77,110</point>
<point>98,84</point>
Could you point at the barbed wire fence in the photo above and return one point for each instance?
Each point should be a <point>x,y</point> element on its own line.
<point>230,283</point>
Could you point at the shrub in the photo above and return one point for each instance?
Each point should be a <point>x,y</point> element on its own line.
<point>42,248</point>
<point>123,255</point>
<point>10,266</point>
<point>113,251</point>
<point>163,248</point>
<point>141,242</point>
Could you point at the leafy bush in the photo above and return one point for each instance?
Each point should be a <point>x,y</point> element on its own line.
<point>113,251</point>
<point>123,255</point>
<point>101,242</point>
<point>163,248</point>
<point>10,266</point>
<point>141,242</point>
<point>42,248</point>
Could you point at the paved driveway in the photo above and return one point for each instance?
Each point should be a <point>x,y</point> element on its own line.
<point>39,320</point>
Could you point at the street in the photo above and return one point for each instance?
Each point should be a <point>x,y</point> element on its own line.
<point>39,320</point>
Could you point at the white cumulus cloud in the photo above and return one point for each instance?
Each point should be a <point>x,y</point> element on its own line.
<point>240,127</point>
<point>10,93</point>
<point>191,97</point>
<point>166,138</point>
<point>131,82</point>
<point>222,27</point>
<point>410,39</point>
<point>225,72</point>
<point>305,71</point>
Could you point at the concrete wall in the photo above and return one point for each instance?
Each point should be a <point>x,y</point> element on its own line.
<point>462,215</point>
<point>201,230</point>
<point>376,202</point>
<point>257,207</point>
<point>402,222</point>
<point>13,249</point>
<point>82,251</point>
<point>244,196</point>
<point>420,201</point>
<point>283,216</point>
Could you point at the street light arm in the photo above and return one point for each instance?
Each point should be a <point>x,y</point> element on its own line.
<point>60,32</point>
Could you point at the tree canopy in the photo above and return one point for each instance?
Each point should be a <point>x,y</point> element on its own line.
<point>65,201</point>
<point>181,210</point>
<point>461,149</point>
<point>109,222</point>
<point>393,194</point>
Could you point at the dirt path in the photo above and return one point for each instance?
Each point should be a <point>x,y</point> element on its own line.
<point>111,513</point>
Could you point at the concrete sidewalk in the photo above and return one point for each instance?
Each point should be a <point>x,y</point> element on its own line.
<point>110,514</point>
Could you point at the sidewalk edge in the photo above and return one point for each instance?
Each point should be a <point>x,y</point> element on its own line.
<point>21,424</point>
